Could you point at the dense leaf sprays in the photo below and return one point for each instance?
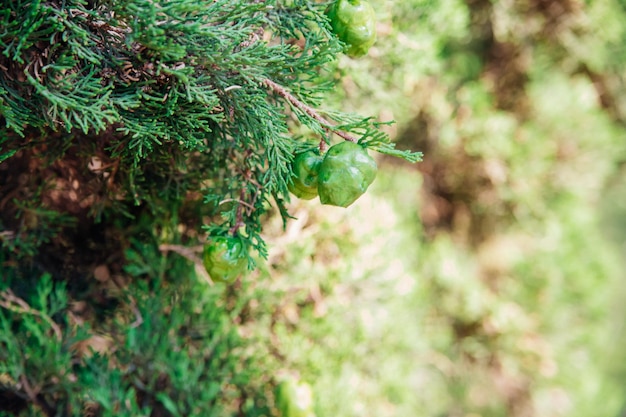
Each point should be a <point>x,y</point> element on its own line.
<point>354,23</point>
<point>342,176</point>
<point>225,258</point>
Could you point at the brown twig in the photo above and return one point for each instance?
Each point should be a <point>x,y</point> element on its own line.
<point>190,254</point>
<point>37,399</point>
<point>11,302</point>
<point>249,206</point>
<point>281,91</point>
<point>236,200</point>
<point>186,252</point>
<point>239,222</point>
<point>138,317</point>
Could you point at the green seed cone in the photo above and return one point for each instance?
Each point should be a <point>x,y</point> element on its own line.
<point>345,174</point>
<point>294,399</point>
<point>354,22</point>
<point>305,169</point>
<point>224,259</point>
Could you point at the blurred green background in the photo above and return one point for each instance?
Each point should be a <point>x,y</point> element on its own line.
<point>489,279</point>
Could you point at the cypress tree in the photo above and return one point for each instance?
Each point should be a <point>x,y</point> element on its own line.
<point>131,133</point>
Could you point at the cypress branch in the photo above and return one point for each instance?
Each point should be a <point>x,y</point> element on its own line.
<point>191,80</point>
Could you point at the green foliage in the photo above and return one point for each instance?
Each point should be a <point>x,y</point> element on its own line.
<point>181,93</point>
<point>172,348</point>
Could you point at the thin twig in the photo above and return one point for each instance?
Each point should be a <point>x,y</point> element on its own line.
<point>232,87</point>
<point>37,399</point>
<point>239,222</point>
<point>236,200</point>
<point>190,254</point>
<point>185,251</point>
<point>11,302</point>
<point>281,91</point>
<point>7,235</point>
<point>138,317</point>
<point>32,395</point>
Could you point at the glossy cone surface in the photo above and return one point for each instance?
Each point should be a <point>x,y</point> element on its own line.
<point>354,22</point>
<point>305,168</point>
<point>345,174</point>
<point>224,259</point>
<point>294,399</point>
